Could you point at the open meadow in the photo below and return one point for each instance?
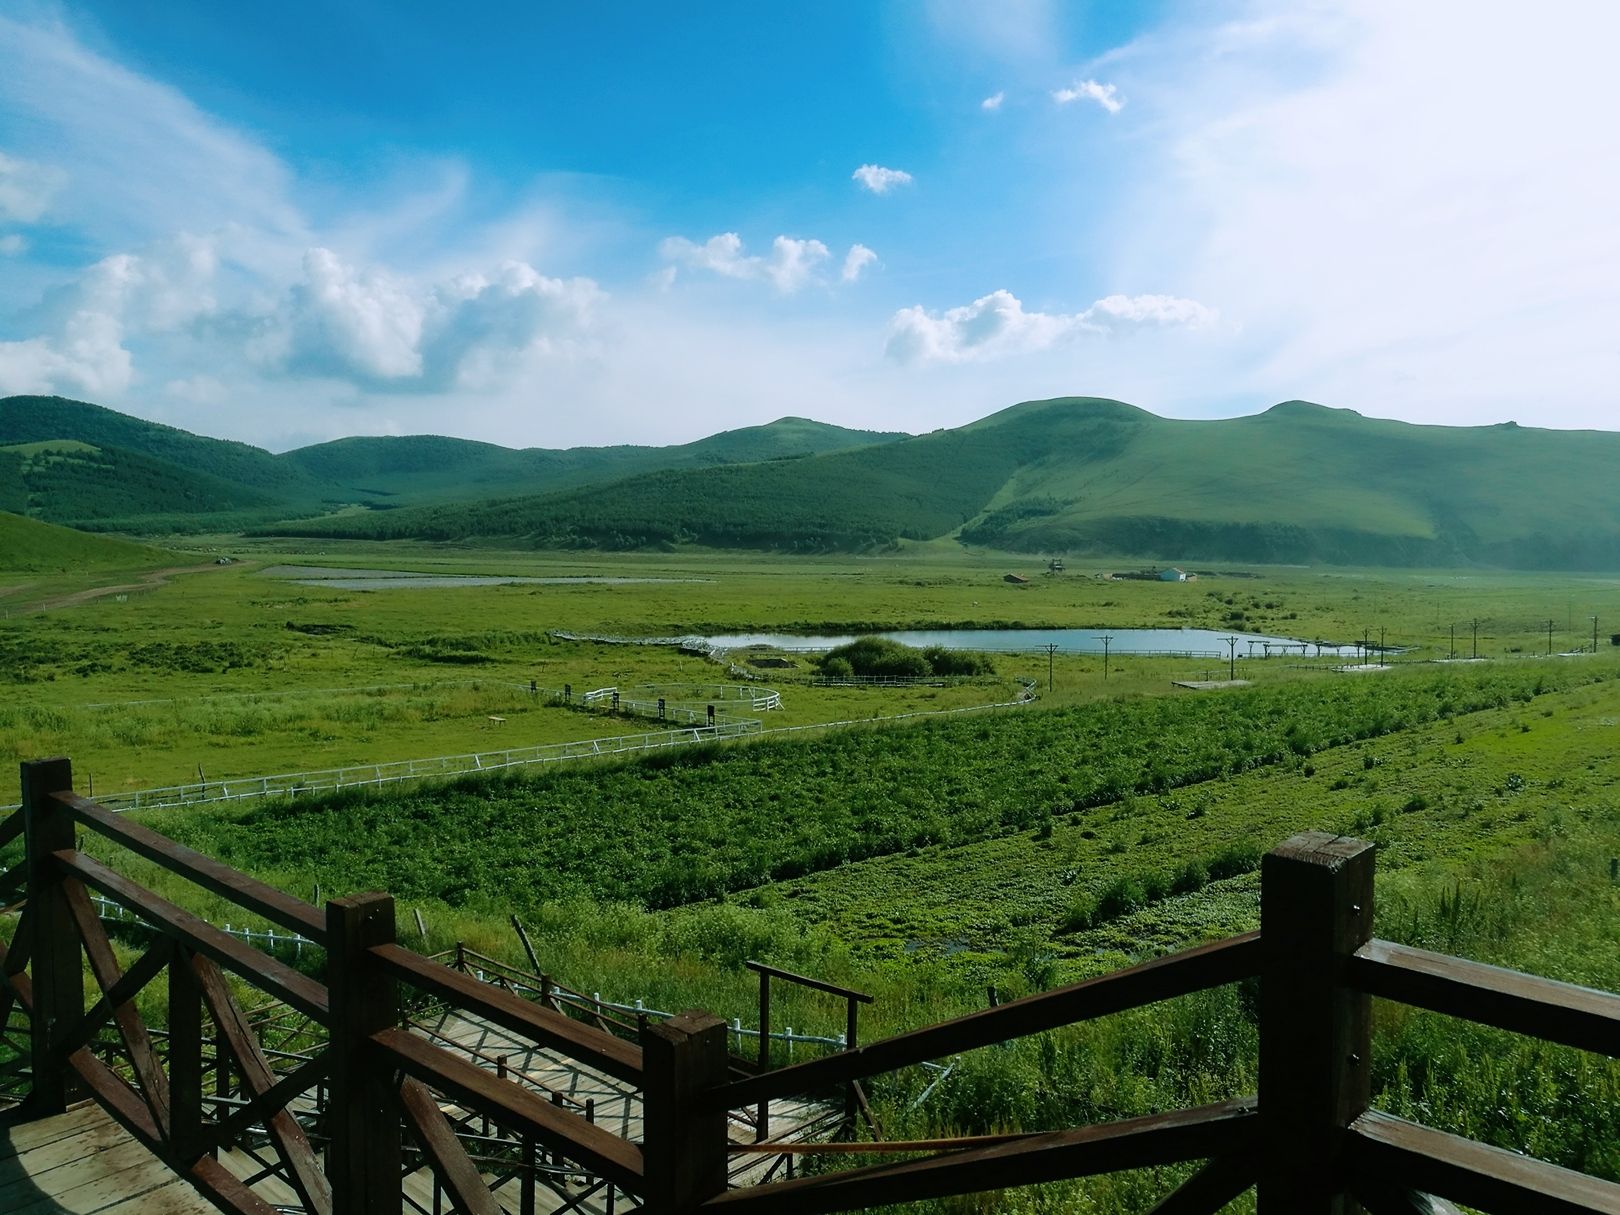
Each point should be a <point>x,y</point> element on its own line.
<point>911,840</point>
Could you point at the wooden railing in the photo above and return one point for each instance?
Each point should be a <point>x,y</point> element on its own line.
<point>1310,1143</point>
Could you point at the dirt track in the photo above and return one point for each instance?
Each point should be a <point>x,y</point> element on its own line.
<point>148,581</point>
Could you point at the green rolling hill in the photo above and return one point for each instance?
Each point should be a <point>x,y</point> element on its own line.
<point>1298,483</point>
<point>81,464</point>
<point>28,546</point>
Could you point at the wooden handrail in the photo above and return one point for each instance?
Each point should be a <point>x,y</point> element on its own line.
<point>258,968</point>
<point>1386,1148</point>
<point>510,1011</point>
<point>515,1107</point>
<point>1489,995</point>
<point>832,989</point>
<point>277,906</point>
<point>1223,1129</point>
<point>1177,975</point>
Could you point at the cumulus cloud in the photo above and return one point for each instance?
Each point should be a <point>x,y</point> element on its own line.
<point>997,326</point>
<point>383,330</point>
<point>879,180</point>
<point>993,102</point>
<point>82,329</point>
<point>26,188</point>
<point>857,259</point>
<point>1105,95</point>
<point>792,264</point>
<point>13,245</point>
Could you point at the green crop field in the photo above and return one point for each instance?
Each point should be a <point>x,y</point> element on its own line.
<point>924,858</point>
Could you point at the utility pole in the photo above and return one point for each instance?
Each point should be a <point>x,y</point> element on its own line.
<point>1382,648</point>
<point>1454,639</point>
<point>1549,637</point>
<point>1476,636</point>
<point>1105,639</point>
<point>1366,645</point>
<point>1594,634</point>
<point>1231,656</point>
<point>1051,649</point>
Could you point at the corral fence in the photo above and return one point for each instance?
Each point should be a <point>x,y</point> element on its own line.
<point>1309,1141</point>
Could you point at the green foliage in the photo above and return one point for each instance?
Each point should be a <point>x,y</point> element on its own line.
<point>27,546</point>
<point>881,657</point>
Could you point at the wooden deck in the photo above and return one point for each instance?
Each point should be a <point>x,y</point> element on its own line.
<point>84,1163</point>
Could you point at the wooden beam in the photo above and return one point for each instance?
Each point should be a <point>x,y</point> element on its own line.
<point>273,1098</point>
<point>1161,979</point>
<point>260,969</point>
<point>303,1170</point>
<point>107,973</point>
<point>129,984</point>
<point>1213,1130</point>
<point>1542,1008</point>
<point>1208,1190</point>
<point>545,1026</point>
<point>1316,908</point>
<point>12,827</point>
<point>516,1108</point>
<point>186,1141</point>
<point>455,1173</point>
<point>277,906</point>
<point>805,981</point>
<point>1505,1183</point>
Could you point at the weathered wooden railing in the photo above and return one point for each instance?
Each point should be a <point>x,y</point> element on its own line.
<point>1309,1143</point>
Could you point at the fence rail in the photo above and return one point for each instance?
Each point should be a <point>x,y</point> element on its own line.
<point>1309,1142</point>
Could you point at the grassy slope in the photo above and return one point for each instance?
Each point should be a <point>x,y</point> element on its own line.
<point>28,546</point>
<point>1297,483</point>
<point>427,467</point>
<point>69,461</point>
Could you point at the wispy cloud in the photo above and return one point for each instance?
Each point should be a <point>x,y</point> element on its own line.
<point>856,260</point>
<point>993,102</point>
<point>13,244</point>
<point>26,188</point>
<point>1105,95</point>
<point>793,263</point>
<point>998,326</point>
<point>879,180</point>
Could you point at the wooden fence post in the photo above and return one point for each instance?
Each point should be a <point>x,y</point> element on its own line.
<point>185,1058</point>
<point>684,1150</point>
<point>1316,904</point>
<point>56,964</point>
<point>363,1161</point>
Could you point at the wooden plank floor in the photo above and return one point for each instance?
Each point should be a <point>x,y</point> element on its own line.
<point>84,1163</point>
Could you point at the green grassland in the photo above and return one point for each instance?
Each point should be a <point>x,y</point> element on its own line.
<point>923,860</point>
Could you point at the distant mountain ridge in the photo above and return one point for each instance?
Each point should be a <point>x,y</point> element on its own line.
<point>1298,483</point>
<point>73,462</point>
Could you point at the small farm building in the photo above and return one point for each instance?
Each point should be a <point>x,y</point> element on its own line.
<point>1015,579</point>
<point>1172,575</point>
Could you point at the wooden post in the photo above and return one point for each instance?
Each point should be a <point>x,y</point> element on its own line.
<point>58,969</point>
<point>684,1150</point>
<point>762,1121</point>
<point>363,1161</point>
<point>185,1058</point>
<point>1316,904</point>
<point>851,1024</point>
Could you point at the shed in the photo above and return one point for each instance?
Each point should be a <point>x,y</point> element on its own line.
<point>1015,579</point>
<point>1172,575</point>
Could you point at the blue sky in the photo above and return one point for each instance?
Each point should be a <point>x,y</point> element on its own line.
<point>563,224</point>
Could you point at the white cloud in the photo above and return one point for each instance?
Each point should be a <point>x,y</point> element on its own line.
<point>993,102</point>
<point>857,259</point>
<point>1105,95</point>
<point>13,245</point>
<point>793,263</point>
<point>997,326</point>
<point>879,180</point>
<point>26,189</point>
<point>386,331</point>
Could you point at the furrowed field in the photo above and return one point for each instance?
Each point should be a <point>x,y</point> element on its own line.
<point>924,860</point>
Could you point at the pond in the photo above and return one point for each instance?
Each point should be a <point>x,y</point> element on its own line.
<point>1199,643</point>
<point>386,580</point>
